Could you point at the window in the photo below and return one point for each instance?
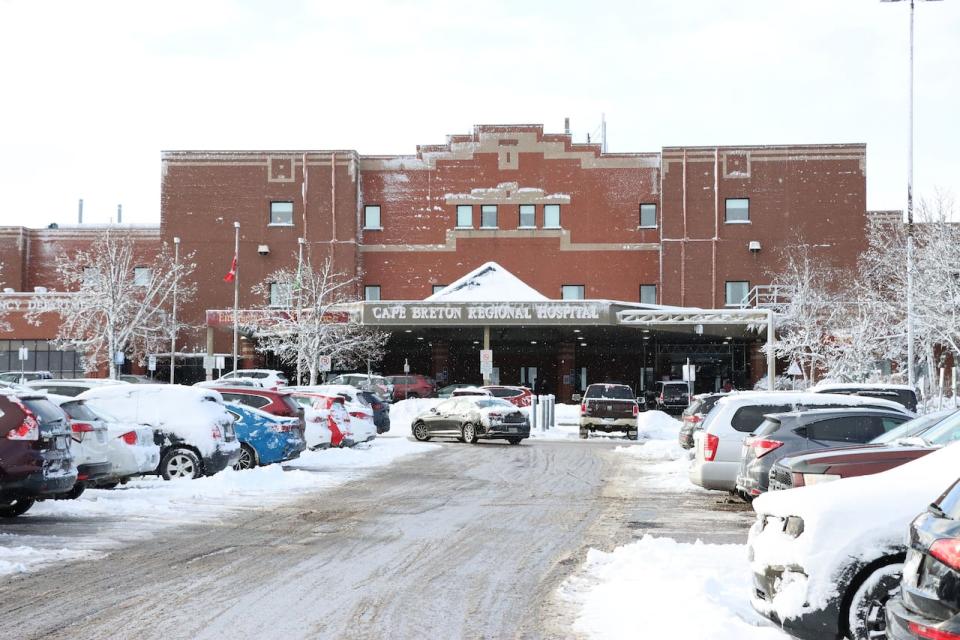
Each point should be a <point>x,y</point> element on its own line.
<point>551,216</point>
<point>747,419</point>
<point>738,210</point>
<point>281,294</point>
<point>737,290</point>
<point>858,429</point>
<point>437,288</point>
<point>142,276</point>
<point>371,217</point>
<point>488,216</point>
<point>572,292</point>
<point>281,213</point>
<point>528,215</point>
<point>465,216</point>
<point>648,215</point>
<point>371,292</point>
<point>648,294</point>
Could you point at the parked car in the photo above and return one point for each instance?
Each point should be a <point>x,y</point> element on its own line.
<point>381,410</point>
<point>447,391</point>
<point>783,434</point>
<point>909,441</point>
<point>71,387</point>
<point>693,416</point>
<point>265,438</point>
<point>826,558</point>
<point>279,403</point>
<point>412,385</point>
<point>901,393</point>
<point>673,396</point>
<point>90,445</point>
<point>35,457</point>
<point>195,427</point>
<point>607,408</point>
<point>131,449</point>
<point>327,420</point>
<point>718,445</point>
<point>362,427</point>
<point>135,379</point>
<point>928,605</point>
<point>462,392</point>
<point>472,418</point>
<point>377,384</point>
<point>19,377</point>
<point>266,378</point>
<point>517,396</point>
<point>233,382</point>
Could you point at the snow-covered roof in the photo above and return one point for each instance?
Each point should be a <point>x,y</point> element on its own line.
<point>488,283</point>
<point>881,386</point>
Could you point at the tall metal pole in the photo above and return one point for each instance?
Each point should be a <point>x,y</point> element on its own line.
<point>771,345</point>
<point>911,373</point>
<point>299,285</point>
<point>173,319</point>
<point>236,292</point>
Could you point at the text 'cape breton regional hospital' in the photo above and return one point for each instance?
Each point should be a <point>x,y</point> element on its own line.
<point>548,241</point>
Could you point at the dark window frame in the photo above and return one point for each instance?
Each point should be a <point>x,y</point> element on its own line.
<point>648,226</point>
<point>726,211</point>
<point>272,222</point>
<point>366,225</point>
<point>533,224</point>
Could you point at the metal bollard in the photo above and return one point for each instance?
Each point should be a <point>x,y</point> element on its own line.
<point>551,421</point>
<point>533,413</point>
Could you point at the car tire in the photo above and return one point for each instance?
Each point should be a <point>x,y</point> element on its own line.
<point>15,507</point>
<point>584,433</point>
<point>413,395</point>
<point>631,435</point>
<point>248,458</point>
<point>108,485</point>
<point>469,433</point>
<point>420,432</point>
<point>866,611</point>
<point>514,440</point>
<point>73,494</point>
<point>179,462</point>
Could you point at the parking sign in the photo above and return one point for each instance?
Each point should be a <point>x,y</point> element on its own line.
<point>326,363</point>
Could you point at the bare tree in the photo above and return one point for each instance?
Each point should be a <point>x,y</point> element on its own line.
<point>4,326</point>
<point>312,313</point>
<point>119,304</point>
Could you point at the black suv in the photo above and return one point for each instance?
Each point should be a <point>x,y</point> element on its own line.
<point>673,396</point>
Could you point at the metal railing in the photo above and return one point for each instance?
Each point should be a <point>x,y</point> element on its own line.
<point>766,296</point>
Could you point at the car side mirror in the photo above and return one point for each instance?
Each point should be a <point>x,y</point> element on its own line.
<point>433,409</point>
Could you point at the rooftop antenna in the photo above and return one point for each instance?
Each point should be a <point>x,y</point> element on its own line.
<point>566,126</point>
<point>119,214</point>
<point>603,132</point>
<point>80,212</point>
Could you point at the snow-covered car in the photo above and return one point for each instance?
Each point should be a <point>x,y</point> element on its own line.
<point>71,387</point>
<point>900,393</point>
<point>473,418</point>
<point>827,557</point>
<point>19,377</point>
<point>718,445</point>
<point>267,378</point>
<point>368,382</point>
<point>265,438</point>
<point>326,418</point>
<point>463,392</point>
<point>362,426</point>
<point>196,428</point>
<point>89,443</point>
<point>131,449</point>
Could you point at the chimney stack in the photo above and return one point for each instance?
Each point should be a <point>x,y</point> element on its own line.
<point>566,126</point>
<point>80,212</point>
<point>119,214</point>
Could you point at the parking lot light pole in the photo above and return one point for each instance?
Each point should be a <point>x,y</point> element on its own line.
<point>173,313</point>
<point>911,372</point>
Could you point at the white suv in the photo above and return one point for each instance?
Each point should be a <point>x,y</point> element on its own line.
<point>267,378</point>
<point>720,443</point>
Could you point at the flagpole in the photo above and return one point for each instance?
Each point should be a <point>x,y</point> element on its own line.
<point>299,285</point>
<point>236,290</point>
<point>173,319</point>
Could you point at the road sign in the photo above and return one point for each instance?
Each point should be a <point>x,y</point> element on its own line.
<point>209,362</point>
<point>486,361</point>
<point>24,353</point>
<point>152,363</point>
<point>406,366</point>
<point>221,362</point>
<point>326,363</point>
<point>118,358</point>
<point>689,373</point>
<point>794,369</point>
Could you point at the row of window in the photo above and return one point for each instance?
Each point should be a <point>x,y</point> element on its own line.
<point>735,292</point>
<point>142,276</point>
<point>737,210</point>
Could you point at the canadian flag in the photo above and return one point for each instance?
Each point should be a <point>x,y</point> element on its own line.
<point>233,270</point>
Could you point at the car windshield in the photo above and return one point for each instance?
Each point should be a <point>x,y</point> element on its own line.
<point>945,432</point>
<point>609,392</point>
<point>916,427</point>
<point>485,403</point>
<point>45,410</point>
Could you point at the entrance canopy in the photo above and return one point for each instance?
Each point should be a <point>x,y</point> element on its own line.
<point>488,283</point>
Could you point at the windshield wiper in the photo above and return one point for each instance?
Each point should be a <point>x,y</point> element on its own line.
<point>935,509</point>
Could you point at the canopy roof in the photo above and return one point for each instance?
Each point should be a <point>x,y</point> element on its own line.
<point>488,283</point>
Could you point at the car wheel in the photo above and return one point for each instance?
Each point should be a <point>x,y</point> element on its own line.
<point>866,615</point>
<point>584,433</point>
<point>108,485</point>
<point>248,458</point>
<point>631,435</point>
<point>469,433</point>
<point>420,432</point>
<point>15,507</point>
<point>76,492</point>
<point>413,395</point>
<point>180,463</point>
<point>514,440</point>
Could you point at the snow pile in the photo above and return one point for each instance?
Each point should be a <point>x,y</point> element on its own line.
<point>20,559</point>
<point>863,517</point>
<point>690,591</point>
<point>658,434</point>
<point>187,412</point>
<point>403,413</point>
<point>488,283</point>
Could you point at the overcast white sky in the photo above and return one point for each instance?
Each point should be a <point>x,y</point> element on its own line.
<point>94,90</point>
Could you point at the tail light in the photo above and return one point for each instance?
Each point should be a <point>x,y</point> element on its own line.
<point>216,433</point>
<point>947,551</point>
<point>661,396</point>
<point>636,410</point>
<point>762,446</point>
<point>798,480</point>
<point>929,633</point>
<point>81,427</point>
<point>130,437</point>
<point>583,408</point>
<point>357,414</point>
<point>710,445</point>
<point>29,430</point>
<point>694,419</point>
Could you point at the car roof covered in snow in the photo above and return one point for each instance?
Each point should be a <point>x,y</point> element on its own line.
<point>860,385</point>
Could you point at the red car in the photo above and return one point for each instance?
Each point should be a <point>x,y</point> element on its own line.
<point>334,408</point>
<point>517,396</point>
<point>279,403</point>
<point>412,385</point>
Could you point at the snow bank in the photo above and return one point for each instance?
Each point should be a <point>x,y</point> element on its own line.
<point>658,436</point>
<point>864,517</point>
<point>22,558</point>
<point>190,413</point>
<point>404,412</point>
<point>659,588</point>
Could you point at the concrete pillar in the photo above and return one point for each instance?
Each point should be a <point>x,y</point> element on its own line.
<point>486,345</point>
<point>209,375</point>
<point>566,371</point>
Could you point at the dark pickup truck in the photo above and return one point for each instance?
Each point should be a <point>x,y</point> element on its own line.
<point>607,408</point>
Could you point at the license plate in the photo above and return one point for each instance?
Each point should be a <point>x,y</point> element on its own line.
<point>61,444</point>
<point>609,407</point>
<point>911,568</point>
<point>512,430</point>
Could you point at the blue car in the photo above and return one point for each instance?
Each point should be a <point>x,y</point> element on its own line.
<point>265,438</point>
